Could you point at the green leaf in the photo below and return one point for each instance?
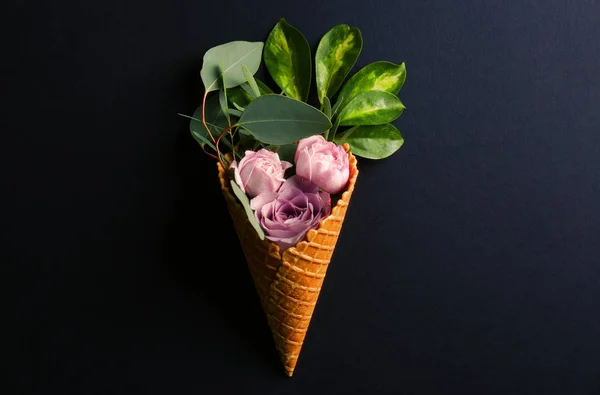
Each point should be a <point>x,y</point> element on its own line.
<point>243,198</point>
<point>371,108</point>
<point>223,102</point>
<point>327,107</point>
<point>378,76</point>
<point>337,52</point>
<point>249,91</point>
<point>238,107</point>
<point>251,81</point>
<point>347,133</point>
<point>241,98</point>
<point>330,134</point>
<point>374,141</point>
<point>336,106</point>
<point>238,97</point>
<point>276,119</point>
<point>287,152</point>
<point>285,87</point>
<point>288,60</point>
<point>216,120</point>
<point>232,56</point>
<point>235,113</point>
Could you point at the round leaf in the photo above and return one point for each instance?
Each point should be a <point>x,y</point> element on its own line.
<point>288,60</point>
<point>371,108</point>
<point>336,54</point>
<point>276,119</point>
<point>374,141</point>
<point>227,60</point>
<point>377,76</point>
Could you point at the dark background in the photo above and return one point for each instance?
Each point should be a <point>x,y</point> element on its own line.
<point>469,260</point>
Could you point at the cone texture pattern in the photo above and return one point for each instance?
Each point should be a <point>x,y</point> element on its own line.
<point>289,285</point>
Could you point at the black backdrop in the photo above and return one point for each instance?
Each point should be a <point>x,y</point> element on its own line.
<point>468,262</point>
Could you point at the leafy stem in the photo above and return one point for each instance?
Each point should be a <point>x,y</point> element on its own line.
<point>204,116</point>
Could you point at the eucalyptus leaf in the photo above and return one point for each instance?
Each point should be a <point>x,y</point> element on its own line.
<point>215,119</point>
<point>336,54</point>
<point>238,97</point>
<point>241,98</point>
<point>287,152</point>
<point>371,108</point>
<point>327,107</point>
<point>227,60</point>
<point>238,107</point>
<point>249,91</point>
<point>235,113</point>
<point>372,141</point>
<point>243,198</point>
<point>251,81</point>
<point>288,59</point>
<point>223,102</point>
<point>378,76</point>
<point>202,140</point>
<point>276,119</point>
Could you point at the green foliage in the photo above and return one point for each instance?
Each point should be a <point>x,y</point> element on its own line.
<point>226,61</point>
<point>251,81</point>
<point>276,119</point>
<point>336,54</point>
<point>371,108</point>
<point>216,120</point>
<point>365,103</point>
<point>240,98</point>
<point>287,57</point>
<point>246,204</point>
<point>377,76</point>
<point>372,141</point>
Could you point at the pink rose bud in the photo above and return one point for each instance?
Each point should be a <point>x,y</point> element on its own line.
<point>322,162</point>
<point>286,215</point>
<point>259,172</point>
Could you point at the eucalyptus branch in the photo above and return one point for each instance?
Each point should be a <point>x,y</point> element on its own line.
<point>204,116</point>
<point>219,140</point>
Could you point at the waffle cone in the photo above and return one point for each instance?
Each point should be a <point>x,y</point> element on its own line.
<point>288,285</point>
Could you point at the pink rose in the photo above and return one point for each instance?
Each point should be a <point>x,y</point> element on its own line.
<point>322,162</point>
<point>287,215</point>
<point>259,172</point>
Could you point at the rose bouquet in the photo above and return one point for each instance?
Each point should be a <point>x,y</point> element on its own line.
<point>287,168</point>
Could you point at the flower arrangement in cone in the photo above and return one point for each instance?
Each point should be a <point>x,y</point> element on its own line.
<point>287,168</point>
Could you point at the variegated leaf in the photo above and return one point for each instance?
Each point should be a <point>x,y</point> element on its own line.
<point>336,54</point>
<point>378,76</point>
<point>288,60</point>
<point>372,141</point>
<point>371,108</point>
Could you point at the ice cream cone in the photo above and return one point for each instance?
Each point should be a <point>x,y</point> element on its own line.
<point>289,285</point>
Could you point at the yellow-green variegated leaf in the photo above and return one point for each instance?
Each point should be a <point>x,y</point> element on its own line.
<point>378,76</point>
<point>288,60</point>
<point>371,108</point>
<point>372,141</point>
<point>336,54</point>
